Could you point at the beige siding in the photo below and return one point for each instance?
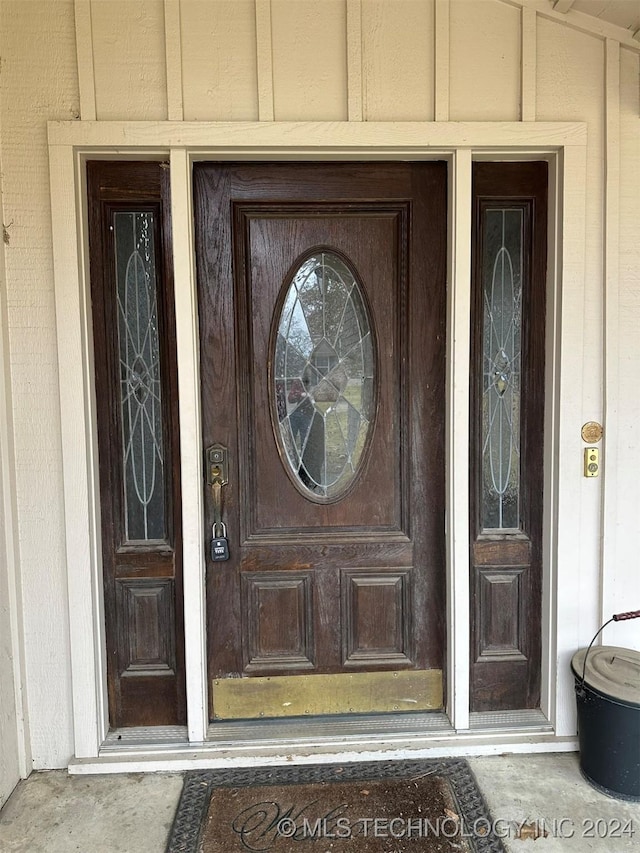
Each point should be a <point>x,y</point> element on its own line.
<point>398,60</point>
<point>39,82</point>
<point>626,589</point>
<point>484,61</point>
<point>129,59</point>
<point>219,68</point>
<point>9,765</point>
<point>309,60</point>
<point>571,85</point>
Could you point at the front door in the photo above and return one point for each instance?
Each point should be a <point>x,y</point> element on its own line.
<point>322,305</point>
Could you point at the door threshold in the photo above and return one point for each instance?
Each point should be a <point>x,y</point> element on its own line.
<point>322,741</point>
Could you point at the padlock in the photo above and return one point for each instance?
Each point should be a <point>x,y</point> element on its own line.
<point>219,544</point>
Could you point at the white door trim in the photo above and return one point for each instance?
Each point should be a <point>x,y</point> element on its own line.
<point>564,144</point>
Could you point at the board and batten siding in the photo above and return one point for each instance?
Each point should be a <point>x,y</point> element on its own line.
<point>311,60</point>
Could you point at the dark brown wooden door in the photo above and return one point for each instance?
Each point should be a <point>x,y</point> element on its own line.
<point>507,428</point>
<point>334,507</point>
<point>138,440</point>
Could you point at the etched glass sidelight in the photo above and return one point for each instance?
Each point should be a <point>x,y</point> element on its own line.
<point>324,376</point>
<point>502,358</point>
<point>140,385</point>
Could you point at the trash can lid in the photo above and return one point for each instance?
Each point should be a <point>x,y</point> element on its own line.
<point>611,670</point>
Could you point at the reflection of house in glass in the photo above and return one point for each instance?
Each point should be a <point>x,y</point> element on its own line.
<point>324,375</point>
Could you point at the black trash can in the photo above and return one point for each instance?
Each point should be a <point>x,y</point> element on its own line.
<point>607,683</point>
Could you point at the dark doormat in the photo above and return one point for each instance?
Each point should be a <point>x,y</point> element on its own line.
<point>430,806</point>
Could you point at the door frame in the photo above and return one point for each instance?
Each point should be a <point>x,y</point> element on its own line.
<point>564,146</point>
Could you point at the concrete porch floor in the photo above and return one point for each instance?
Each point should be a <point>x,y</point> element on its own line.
<point>53,812</point>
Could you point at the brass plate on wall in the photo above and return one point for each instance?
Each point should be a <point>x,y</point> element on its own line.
<point>591,432</point>
<point>316,695</point>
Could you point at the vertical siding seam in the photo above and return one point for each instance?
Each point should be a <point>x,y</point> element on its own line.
<point>441,60</point>
<point>611,294</point>
<point>354,61</point>
<point>84,53</point>
<point>264,54</point>
<point>173,58</point>
<point>529,60</point>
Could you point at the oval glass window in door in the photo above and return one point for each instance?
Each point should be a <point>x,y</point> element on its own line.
<point>324,376</point>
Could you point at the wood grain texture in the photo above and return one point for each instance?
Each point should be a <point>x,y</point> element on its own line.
<point>132,571</point>
<point>374,525</point>
<point>377,617</point>
<point>506,646</point>
<point>278,628</point>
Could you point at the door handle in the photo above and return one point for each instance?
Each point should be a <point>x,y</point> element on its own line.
<point>217,477</point>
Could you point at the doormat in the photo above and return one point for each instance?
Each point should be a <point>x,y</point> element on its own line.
<point>430,806</point>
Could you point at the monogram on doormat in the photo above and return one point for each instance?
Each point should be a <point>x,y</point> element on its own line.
<point>400,807</point>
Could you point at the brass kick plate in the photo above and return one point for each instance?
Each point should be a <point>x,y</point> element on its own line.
<point>316,695</point>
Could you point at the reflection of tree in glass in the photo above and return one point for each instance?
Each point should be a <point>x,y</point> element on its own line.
<point>324,361</point>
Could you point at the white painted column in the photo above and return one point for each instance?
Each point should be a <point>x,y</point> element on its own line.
<point>188,352</point>
<point>457,439</point>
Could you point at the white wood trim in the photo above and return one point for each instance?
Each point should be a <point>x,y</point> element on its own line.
<point>278,140</point>
<point>188,356</point>
<point>314,140</point>
<point>579,21</point>
<point>457,440</point>
<point>78,454</point>
<point>609,460</point>
<point>264,52</point>
<point>551,425</point>
<point>529,64</point>
<point>231,756</point>
<point>354,61</point>
<point>84,51</point>
<point>441,64</point>
<point>173,54</point>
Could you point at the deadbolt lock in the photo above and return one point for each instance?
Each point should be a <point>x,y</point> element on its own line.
<point>591,461</point>
<point>217,465</point>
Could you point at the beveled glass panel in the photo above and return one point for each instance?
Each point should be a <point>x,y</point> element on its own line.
<point>502,358</point>
<point>140,381</point>
<point>324,377</point>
